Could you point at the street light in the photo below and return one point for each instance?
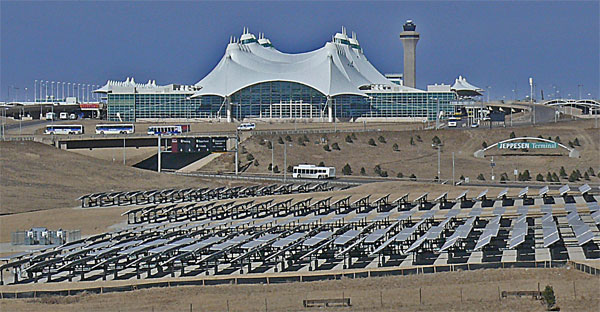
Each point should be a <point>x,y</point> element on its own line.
<point>285,161</point>
<point>438,146</point>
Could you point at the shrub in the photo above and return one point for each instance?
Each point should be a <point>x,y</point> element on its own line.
<point>548,295</point>
<point>571,145</point>
<point>262,142</point>
<point>372,142</point>
<point>363,171</point>
<point>276,169</point>
<point>484,144</point>
<point>462,177</point>
<point>290,169</point>
<point>270,167</point>
<point>383,174</point>
<point>400,175</point>
<point>419,138</point>
<point>576,142</point>
<point>256,164</point>
<point>250,157</point>
<point>591,171</point>
<point>353,136</point>
<point>301,141</point>
<point>481,177</point>
<point>413,177</point>
<point>377,169</point>
<point>513,135</point>
<point>539,177</point>
<point>555,177</point>
<point>347,170</point>
<point>573,177</point>
<point>305,138</point>
<point>288,138</point>
<point>321,164</point>
<point>540,136</point>
<point>381,139</point>
<point>326,148</point>
<point>436,140</point>
<point>395,147</point>
<point>335,146</point>
<point>269,145</point>
<point>349,139</point>
<point>549,177</point>
<point>557,139</point>
<point>412,141</point>
<point>503,179</point>
<point>279,140</point>
<point>526,175</point>
<point>586,176</point>
<point>243,150</point>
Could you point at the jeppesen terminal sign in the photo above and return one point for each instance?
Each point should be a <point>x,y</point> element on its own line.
<point>527,145</point>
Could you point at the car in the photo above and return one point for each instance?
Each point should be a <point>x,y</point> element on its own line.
<point>475,125</point>
<point>246,126</point>
<point>72,116</point>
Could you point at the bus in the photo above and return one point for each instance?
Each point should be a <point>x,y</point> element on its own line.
<point>64,129</point>
<point>313,172</point>
<point>115,129</point>
<point>453,121</point>
<point>168,130</point>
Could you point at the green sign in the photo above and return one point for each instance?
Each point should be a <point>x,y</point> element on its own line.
<point>527,145</point>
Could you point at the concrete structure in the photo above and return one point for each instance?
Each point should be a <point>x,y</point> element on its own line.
<point>409,38</point>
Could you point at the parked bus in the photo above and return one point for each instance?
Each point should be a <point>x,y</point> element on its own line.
<point>313,172</point>
<point>168,130</point>
<point>64,129</point>
<point>453,121</point>
<point>115,129</point>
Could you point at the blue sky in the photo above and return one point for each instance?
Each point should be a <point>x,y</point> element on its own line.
<point>497,44</point>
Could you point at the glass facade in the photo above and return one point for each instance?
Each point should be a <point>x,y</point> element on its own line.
<point>278,99</point>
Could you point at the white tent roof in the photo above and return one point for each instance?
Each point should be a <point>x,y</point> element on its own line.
<point>462,86</point>
<point>336,68</point>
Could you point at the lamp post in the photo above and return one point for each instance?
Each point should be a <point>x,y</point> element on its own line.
<point>35,91</point>
<point>237,139</point>
<point>438,146</point>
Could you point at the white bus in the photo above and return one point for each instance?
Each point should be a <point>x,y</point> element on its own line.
<point>64,129</point>
<point>115,129</point>
<point>453,121</point>
<point>313,172</point>
<point>168,130</point>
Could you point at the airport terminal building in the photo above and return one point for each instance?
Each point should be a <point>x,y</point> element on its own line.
<point>255,81</point>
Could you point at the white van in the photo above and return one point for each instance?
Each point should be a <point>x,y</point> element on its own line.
<point>63,116</point>
<point>246,126</point>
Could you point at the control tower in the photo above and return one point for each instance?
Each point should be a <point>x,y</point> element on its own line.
<point>409,38</point>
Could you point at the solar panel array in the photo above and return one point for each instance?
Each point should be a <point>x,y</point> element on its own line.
<point>271,235</point>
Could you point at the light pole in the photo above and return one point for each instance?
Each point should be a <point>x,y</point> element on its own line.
<point>453,180</point>
<point>438,146</point>
<point>284,162</point>
<point>35,91</point>
<point>579,86</point>
<point>489,91</point>
<point>159,157</point>
<point>237,139</point>
<point>437,114</point>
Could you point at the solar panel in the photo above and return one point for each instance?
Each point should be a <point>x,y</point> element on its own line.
<point>417,243</point>
<point>498,211</point>
<point>346,237</point>
<point>495,220</point>
<point>310,220</point>
<point>405,233</point>
<point>546,209</point>
<point>234,241</point>
<point>405,215</point>
<point>544,190</point>
<point>321,236</point>
<point>462,195</point>
<point>449,242</point>
<point>584,238</point>
<point>596,217</point>
<point>453,213</point>
<point>288,240</point>
<point>358,217</point>
<point>593,206</point>
<point>547,217</point>
<point>570,208</point>
<point>442,196</point>
<point>503,193</point>
<point>483,241</point>
<point>524,191</point>
<point>516,241</point>
<point>551,239</point>
<point>434,232</point>
<point>202,244</point>
<point>564,190</point>
<point>422,197</point>
<point>259,241</point>
<point>522,210</point>
<point>584,189</point>
<point>428,214</point>
<point>475,212</point>
<point>381,216</point>
<point>482,194</point>
<point>376,235</point>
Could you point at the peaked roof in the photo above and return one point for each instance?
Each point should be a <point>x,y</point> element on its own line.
<point>463,88</point>
<point>339,67</point>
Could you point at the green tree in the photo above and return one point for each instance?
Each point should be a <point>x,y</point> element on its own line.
<point>540,136</point>
<point>305,138</point>
<point>462,177</point>
<point>243,149</point>
<point>381,139</point>
<point>571,145</point>
<point>412,141</point>
<point>321,164</point>
<point>301,141</point>
<point>256,164</point>
<point>349,139</point>
<point>548,295</point>
<point>335,146</point>
<point>270,167</point>
<point>549,177</point>
<point>503,179</point>
<point>276,169</point>
<point>372,142</point>
<point>383,174</point>
<point>481,177</point>
<point>562,172</point>
<point>347,170</point>
<point>484,144</point>
<point>288,138</point>
<point>555,177</point>
<point>539,177</point>
<point>363,171</point>
<point>591,171</point>
<point>395,147</point>
<point>419,138</point>
<point>436,140</point>
<point>573,177</point>
<point>576,142</point>
<point>526,175</point>
<point>326,148</point>
<point>250,157</point>
<point>557,139</point>
<point>400,175</point>
<point>279,140</point>
<point>586,176</point>
<point>290,169</point>
<point>513,135</point>
<point>413,177</point>
<point>377,169</point>
<point>269,145</point>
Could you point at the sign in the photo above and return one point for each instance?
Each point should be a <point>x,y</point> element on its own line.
<point>199,144</point>
<point>527,145</point>
<point>219,144</point>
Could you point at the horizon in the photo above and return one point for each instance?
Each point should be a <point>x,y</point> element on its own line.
<point>497,45</point>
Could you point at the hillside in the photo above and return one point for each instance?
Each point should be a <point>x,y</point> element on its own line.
<point>421,159</point>
<point>35,176</point>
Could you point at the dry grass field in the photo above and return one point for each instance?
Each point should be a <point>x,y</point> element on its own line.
<point>574,290</point>
<point>35,176</point>
<point>421,159</point>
